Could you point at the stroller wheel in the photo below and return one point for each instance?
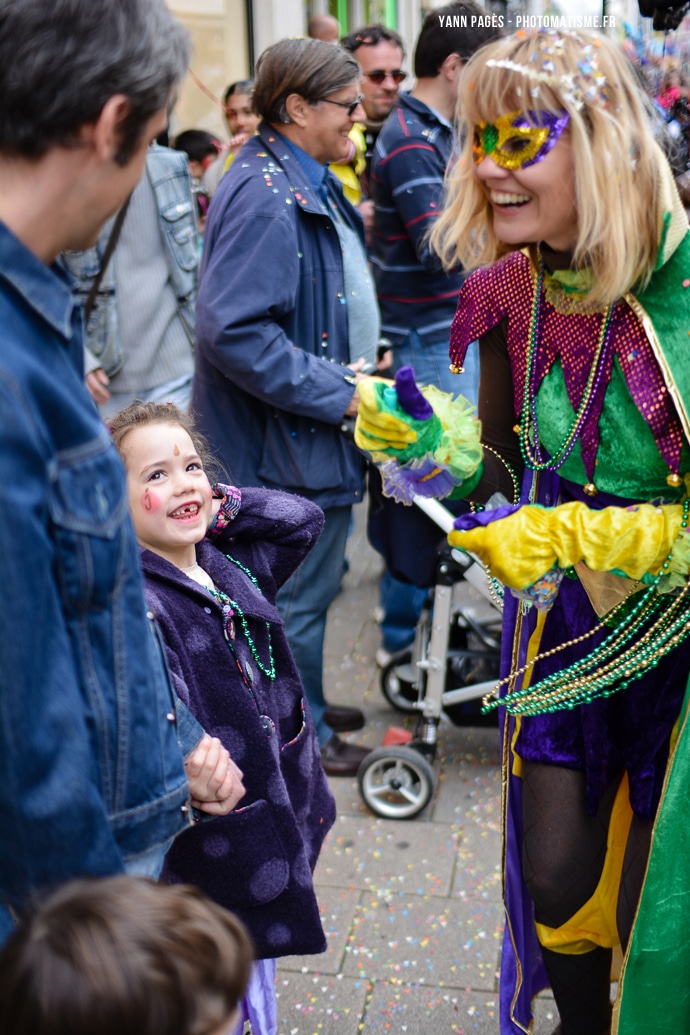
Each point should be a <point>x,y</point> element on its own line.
<point>398,682</point>
<point>396,782</point>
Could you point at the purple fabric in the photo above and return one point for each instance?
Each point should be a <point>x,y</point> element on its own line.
<point>485,517</point>
<point>259,1005</point>
<point>628,730</point>
<point>409,396</point>
<point>257,861</point>
<point>506,289</point>
<point>422,477</point>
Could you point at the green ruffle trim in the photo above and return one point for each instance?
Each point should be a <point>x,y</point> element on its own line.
<point>460,450</point>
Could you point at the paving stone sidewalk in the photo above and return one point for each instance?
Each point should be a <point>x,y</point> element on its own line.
<point>411,909</point>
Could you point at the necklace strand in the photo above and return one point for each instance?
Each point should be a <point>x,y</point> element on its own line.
<point>530,446</point>
<point>230,608</point>
<point>616,662</point>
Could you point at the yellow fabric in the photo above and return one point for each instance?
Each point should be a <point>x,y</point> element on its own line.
<point>520,548</point>
<point>375,429</point>
<point>349,172</point>
<point>532,651</point>
<point>595,923</point>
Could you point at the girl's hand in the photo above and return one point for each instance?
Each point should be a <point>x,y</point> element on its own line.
<point>215,782</point>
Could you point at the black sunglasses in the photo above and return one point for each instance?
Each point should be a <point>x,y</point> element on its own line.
<point>350,105</point>
<point>379,76</point>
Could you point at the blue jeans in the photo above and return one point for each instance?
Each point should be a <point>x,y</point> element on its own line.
<point>401,603</point>
<point>431,366</point>
<point>303,603</point>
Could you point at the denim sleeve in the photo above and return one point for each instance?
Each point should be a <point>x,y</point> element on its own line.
<point>53,822</point>
<point>189,730</point>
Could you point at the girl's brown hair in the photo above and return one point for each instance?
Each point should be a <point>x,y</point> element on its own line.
<point>143,414</point>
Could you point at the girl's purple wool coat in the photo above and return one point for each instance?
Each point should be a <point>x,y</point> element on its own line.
<point>257,861</point>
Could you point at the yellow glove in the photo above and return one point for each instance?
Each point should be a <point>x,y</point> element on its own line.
<point>377,430</point>
<point>520,548</point>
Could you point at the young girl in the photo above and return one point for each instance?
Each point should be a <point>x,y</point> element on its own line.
<point>213,561</point>
<point>582,312</point>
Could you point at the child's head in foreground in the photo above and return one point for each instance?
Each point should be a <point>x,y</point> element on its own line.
<point>166,460</point>
<point>124,956</point>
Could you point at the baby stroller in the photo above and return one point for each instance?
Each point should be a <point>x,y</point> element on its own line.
<point>453,661</point>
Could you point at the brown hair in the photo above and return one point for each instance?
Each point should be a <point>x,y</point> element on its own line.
<point>310,68</point>
<point>142,414</point>
<point>104,957</point>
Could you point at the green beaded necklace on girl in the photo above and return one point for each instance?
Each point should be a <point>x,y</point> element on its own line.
<point>230,608</point>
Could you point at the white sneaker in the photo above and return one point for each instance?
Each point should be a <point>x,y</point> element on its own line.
<point>378,614</point>
<point>383,657</point>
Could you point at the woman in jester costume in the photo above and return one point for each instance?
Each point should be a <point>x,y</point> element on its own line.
<point>581,304</point>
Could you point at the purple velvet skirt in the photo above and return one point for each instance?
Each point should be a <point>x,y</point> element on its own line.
<point>627,731</point>
<point>630,730</point>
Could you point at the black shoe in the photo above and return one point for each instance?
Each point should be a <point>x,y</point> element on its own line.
<point>339,758</point>
<point>343,720</point>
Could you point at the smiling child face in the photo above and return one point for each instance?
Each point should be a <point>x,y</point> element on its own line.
<point>169,493</point>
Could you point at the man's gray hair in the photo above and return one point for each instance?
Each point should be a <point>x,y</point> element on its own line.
<point>61,60</point>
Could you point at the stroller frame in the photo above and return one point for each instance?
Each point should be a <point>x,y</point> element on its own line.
<point>397,781</point>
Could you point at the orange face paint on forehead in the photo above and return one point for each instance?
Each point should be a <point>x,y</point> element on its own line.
<point>176,451</point>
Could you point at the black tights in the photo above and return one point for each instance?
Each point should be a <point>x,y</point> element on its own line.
<point>562,860</point>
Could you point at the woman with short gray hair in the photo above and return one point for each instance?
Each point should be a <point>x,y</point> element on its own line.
<point>298,66</point>
<point>286,310</point>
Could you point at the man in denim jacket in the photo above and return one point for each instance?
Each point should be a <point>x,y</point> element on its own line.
<point>140,333</point>
<point>90,766</point>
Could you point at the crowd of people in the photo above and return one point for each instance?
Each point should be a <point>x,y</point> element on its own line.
<point>180,490</point>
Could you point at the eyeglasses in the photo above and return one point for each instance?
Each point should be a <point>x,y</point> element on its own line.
<point>350,105</point>
<point>379,76</point>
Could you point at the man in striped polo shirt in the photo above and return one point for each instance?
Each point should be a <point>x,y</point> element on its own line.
<point>416,297</point>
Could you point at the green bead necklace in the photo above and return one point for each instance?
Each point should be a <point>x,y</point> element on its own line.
<point>529,435</point>
<point>625,655</point>
<point>230,608</point>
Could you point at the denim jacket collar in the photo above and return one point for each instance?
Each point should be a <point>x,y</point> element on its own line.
<point>291,159</point>
<point>45,289</point>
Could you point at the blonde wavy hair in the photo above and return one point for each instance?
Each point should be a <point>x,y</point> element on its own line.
<point>618,166</point>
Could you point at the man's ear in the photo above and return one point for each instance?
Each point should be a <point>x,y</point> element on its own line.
<point>296,107</point>
<point>106,131</point>
<point>452,67</point>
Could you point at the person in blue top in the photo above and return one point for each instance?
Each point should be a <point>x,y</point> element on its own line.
<point>90,765</point>
<point>285,316</point>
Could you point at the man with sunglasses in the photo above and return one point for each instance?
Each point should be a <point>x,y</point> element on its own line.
<point>380,54</point>
<point>416,297</point>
